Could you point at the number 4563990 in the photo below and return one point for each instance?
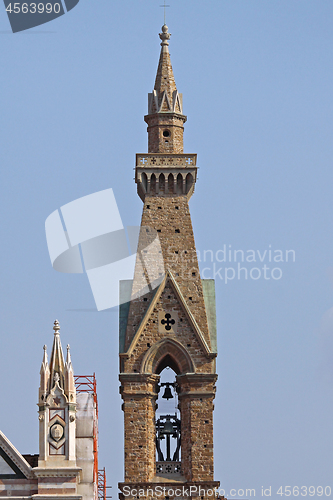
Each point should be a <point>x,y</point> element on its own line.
<point>304,491</point>
<point>33,8</point>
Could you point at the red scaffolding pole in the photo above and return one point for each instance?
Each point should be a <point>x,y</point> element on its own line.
<point>101,484</point>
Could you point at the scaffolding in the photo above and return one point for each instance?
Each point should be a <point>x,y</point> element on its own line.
<point>87,384</point>
<point>101,484</point>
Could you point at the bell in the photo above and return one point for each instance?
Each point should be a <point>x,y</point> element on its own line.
<point>168,427</point>
<point>167,393</point>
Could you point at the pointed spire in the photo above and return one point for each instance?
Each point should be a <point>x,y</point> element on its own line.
<point>69,376</point>
<point>165,80</point>
<point>45,363</point>
<point>165,117</point>
<point>68,358</point>
<point>44,376</point>
<point>57,358</point>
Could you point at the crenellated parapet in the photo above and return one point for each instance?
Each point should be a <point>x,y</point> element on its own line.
<point>161,174</point>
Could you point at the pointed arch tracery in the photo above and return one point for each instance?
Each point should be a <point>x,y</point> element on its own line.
<point>144,180</point>
<point>179,183</point>
<point>167,352</point>
<point>162,183</point>
<point>153,184</point>
<point>189,182</point>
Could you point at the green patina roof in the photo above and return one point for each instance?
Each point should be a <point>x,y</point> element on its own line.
<point>210,304</point>
<point>125,291</point>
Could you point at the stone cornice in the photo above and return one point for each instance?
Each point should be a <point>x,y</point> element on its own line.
<point>164,114</point>
<point>198,378</point>
<point>16,456</point>
<point>138,377</point>
<point>54,497</point>
<point>57,472</point>
<point>170,484</point>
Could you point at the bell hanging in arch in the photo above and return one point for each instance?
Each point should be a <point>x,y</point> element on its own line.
<point>168,427</point>
<point>167,392</point>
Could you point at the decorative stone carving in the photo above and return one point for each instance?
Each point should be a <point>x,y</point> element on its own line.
<point>167,321</point>
<point>57,432</point>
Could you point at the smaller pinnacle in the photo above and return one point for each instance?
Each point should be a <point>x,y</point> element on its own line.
<point>56,327</point>
<point>165,36</point>
<point>68,359</point>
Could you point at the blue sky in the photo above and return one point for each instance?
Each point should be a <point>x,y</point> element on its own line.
<point>256,78</point>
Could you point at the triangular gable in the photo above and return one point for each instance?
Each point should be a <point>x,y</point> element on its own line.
<point>12,463</point>
<point>193,323</point>
<point>152,102</point>
<point>177,102</point>
<point>165,104</point>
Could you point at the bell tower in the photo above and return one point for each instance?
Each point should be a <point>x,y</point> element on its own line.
<point>167,320</point>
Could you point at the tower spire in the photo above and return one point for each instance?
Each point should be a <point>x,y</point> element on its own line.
<point>57,358</point>
<point>165,117</point>
<point>165,80</point>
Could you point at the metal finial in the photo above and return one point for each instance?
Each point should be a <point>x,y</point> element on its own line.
<point>68,347</point>
<point>164,5</point>
<point>45,347</point>
<point>165,36</point>
<point>56,327</point>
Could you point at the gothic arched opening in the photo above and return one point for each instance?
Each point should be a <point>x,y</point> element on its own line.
<point>168,426</point>
<point>144,181</point>
<point>171,182</point>
<point>162,183</point>
<point>153,184</point>
<point>179,184</point>
<point>167,352</point>
<point>189,182</point>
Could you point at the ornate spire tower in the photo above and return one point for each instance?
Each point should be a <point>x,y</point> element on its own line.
<point>57,470</point>
<point>57,408</point>
<point>169,319</point>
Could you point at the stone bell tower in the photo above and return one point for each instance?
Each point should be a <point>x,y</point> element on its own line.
<point>167,318</point>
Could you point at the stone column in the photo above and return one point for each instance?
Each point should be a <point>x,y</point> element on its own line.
<point>197,392</point>
<point>139,395</point>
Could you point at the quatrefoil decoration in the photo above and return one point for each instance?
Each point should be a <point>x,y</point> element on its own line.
<point>168,322</point>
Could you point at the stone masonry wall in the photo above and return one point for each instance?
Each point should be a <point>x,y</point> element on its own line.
<point>157,124</point>
<point>170,217</point>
